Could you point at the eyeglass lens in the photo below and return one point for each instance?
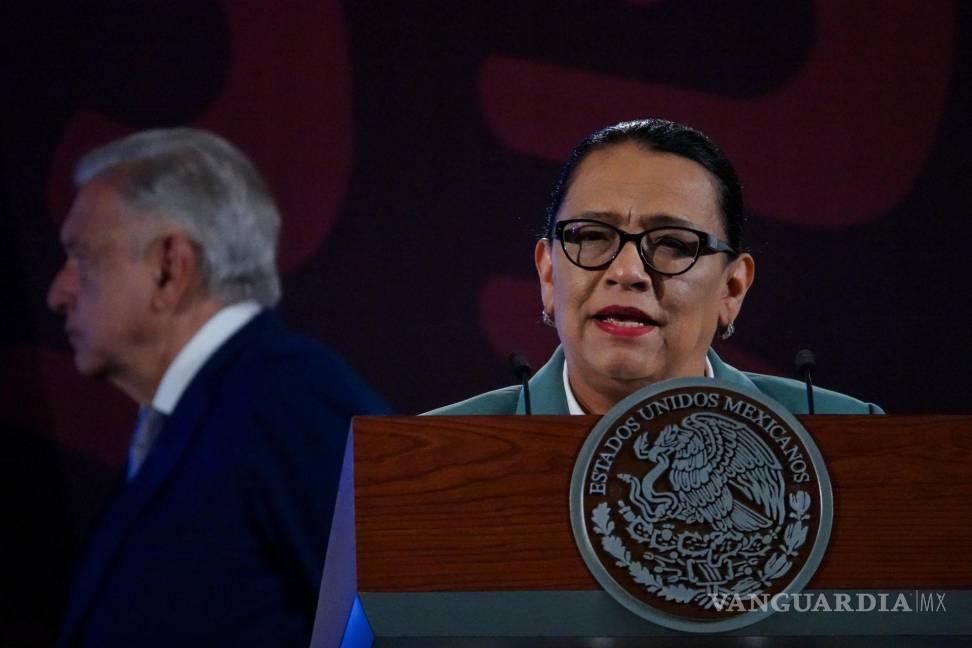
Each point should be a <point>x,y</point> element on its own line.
<point>667,250</point>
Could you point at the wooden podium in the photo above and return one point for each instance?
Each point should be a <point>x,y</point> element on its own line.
<point>464,536</point>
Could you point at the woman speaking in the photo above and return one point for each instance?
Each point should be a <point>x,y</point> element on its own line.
<point>642,264</point>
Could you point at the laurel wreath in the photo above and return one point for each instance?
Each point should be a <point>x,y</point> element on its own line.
<point>776,566</point>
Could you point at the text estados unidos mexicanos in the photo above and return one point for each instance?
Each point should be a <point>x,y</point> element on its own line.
<point>604,459</point>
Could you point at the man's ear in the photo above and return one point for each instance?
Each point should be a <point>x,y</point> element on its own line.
<point>737,277</point>
<point>541,257</point>
<point>176,264</point>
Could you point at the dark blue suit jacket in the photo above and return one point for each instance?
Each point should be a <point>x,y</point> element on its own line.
<point>220,539</point>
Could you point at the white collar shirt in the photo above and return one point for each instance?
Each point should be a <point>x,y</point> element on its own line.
<point>190,359</point>
<point>574,407</point>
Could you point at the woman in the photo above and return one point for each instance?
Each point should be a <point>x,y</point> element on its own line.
<point>632,315</point>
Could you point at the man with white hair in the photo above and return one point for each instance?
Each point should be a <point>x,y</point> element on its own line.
<point>218,537</point>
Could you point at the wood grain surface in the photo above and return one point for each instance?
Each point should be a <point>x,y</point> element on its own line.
<point>481,503</point>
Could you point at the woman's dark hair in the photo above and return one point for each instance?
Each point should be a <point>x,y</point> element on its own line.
<point>665,137</point>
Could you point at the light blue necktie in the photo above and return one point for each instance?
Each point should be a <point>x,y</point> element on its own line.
<point>147,429</point>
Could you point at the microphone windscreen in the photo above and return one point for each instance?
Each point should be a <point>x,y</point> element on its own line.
<point>805,362</point>
<point>520,364</point>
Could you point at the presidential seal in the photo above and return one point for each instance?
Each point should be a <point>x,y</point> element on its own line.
<point>694,503</point>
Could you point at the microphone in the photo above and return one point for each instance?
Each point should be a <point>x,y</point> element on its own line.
<point>522,372</point>
<point>805,366</point>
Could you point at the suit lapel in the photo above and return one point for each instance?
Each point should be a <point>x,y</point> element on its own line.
<point>177,431</point>
<point>722,371</point>
<point>547,394</point>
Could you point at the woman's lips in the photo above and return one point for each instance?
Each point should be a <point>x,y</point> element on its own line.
<point>624,321</point>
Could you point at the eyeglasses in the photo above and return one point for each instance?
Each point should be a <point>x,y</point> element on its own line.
<point>669,251</point>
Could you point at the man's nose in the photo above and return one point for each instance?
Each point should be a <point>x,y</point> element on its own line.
<point>61,294</point>
<point>628,269</point>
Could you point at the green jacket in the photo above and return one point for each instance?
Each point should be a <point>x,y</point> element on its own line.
<point>547,393</point>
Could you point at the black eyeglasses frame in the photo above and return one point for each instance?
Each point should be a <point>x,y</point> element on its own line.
<point>708,244</point>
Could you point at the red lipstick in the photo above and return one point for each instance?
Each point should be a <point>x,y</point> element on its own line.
<point>624,321</point>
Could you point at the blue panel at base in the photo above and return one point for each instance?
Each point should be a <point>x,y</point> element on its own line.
<point>357,633</point>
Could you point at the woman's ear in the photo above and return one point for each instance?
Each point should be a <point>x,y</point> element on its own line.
<point>541,257</point>
<point>738,277</point>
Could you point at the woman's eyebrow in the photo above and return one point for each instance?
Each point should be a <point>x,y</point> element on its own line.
<point>612,218</point>
<point>646,221</point>
<point>662,219</point>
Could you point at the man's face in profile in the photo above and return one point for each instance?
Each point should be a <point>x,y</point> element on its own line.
<point>105,285</point>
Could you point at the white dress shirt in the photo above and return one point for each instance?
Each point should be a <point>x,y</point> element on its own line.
<point>190,359</point>
<point>574,407</point>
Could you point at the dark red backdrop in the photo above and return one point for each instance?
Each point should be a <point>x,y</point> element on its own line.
<point>412,147</point>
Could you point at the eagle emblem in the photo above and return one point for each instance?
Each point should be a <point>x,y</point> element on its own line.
<point>719,475</point>
<point>691,492</point>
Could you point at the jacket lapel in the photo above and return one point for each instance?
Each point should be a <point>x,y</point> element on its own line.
<point>547,385</point>
<point>177,430</point>
<point>547,388</point>
<point>722,371</point>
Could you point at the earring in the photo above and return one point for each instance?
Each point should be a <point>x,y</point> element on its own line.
<point>546,319</point>
<point>729,330</point>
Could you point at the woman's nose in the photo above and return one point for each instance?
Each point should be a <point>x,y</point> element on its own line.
<point>628,269</point>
